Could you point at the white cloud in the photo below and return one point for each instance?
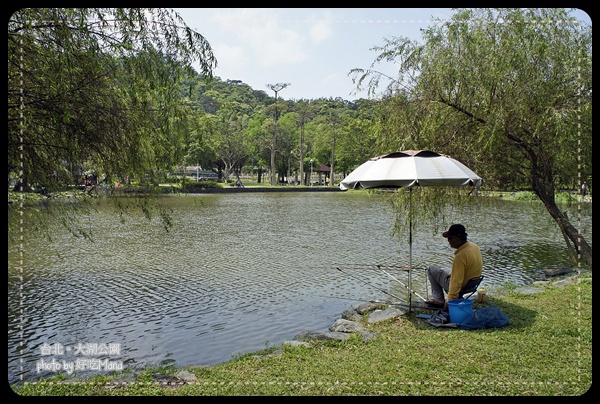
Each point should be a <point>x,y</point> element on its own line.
<point>264,39</point>
<point>321,30</point>
<point>274,45</point>
<point>231,56</point>
<point>311,48</point>
<point>332,78</point>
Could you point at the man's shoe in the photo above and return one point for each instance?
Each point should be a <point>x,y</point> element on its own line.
<point>435,303</point>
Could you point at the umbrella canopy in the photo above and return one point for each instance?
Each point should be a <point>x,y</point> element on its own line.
<point>410,168</point>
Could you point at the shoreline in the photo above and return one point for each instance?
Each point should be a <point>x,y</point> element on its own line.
<point>291,188</point>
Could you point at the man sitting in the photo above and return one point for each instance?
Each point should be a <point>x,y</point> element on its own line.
<point>466,265</point>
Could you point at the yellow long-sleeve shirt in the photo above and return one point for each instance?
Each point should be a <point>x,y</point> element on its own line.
<point>467,265</point>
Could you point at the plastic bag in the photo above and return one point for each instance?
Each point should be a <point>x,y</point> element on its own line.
<point>485,317</point>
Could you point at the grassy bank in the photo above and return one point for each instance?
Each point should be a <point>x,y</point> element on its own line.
<point>546,350</point>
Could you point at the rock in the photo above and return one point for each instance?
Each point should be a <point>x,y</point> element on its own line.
<point>296,343</point>
<point>167,380</point>
<point>551,272</point>
<point>351,315</point>
<point>367,335</point>
<point>370,306</point>
<point>382,315</point>
<point>341,329</point>
<point>342,325</point>
<point>322,336</point>
<point>528,291</point>
<point>541,283</point>
<point>186,376</point>
<point>566,281</point>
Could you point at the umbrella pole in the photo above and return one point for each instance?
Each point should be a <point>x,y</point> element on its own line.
<point>410,252</point>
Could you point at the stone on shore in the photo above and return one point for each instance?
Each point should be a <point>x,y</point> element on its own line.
<point>342,328</point>
<point>383,315</point>
<point>322,336</point>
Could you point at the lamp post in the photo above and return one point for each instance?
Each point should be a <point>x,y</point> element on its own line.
<point>310,179</point>
<point>276,88</point>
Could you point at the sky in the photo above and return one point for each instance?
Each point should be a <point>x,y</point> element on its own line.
<point>310,49</point>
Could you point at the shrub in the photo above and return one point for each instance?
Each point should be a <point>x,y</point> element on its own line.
<point>195,186</point>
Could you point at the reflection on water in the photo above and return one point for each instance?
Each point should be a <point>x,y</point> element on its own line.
<point>238,272</point>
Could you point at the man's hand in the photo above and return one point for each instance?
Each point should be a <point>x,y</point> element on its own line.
<point>445,306</point>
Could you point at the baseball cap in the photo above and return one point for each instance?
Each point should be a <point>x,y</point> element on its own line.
<point>455,230</point>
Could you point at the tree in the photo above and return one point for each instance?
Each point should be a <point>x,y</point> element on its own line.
<point>276,88</point>
<point>202,145</point>
<point>287,144</point>
<point>333,119</point>
<point>508,91</point>
<point>232,139</point>
<point>98,87</point>
<point>304,114</point>
<point>259,142</point>
<point>356,142</point>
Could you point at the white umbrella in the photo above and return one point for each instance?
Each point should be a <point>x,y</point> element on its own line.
<point>410,168</point>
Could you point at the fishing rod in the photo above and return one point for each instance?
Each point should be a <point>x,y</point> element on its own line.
<point>374,267</point>
<point>397,280</point>
<point>363,267</point>
<point>358,300</point>
<point>400,301</point>
<point>402,267</point>
<point>367,283</point>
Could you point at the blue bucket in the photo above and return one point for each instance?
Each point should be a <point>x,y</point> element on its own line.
<point>460,310</point>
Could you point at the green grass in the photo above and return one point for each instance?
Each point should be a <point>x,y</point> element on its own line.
<point>546,350</point>
<point>559,197</point>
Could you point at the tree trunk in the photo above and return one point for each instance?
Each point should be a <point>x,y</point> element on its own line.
<point>543,186</point>
<point>332,160</point>
<point>570,233</point>
<point>302,155</point>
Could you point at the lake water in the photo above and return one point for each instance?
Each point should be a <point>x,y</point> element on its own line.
<point>236,273</point>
